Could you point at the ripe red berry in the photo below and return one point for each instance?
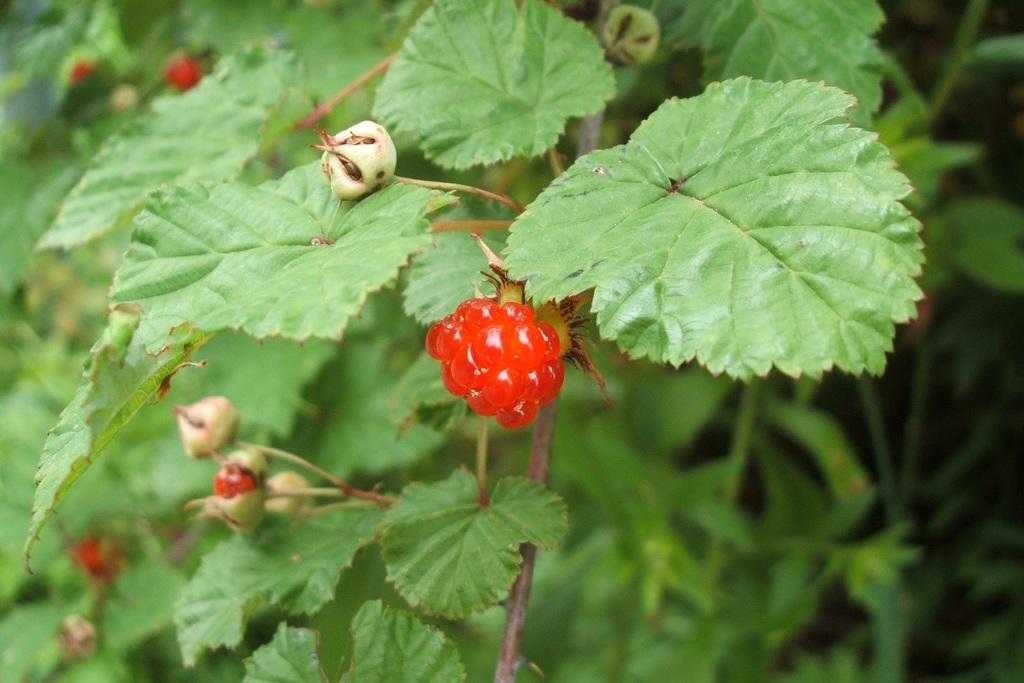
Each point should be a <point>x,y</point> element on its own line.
<point>82,70</point>
<point>234,480</point>
<point>504,362</point>
<point>183,73</point>
<point>99,558</point>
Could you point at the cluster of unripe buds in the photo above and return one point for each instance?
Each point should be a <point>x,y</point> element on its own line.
<point>242,491</point>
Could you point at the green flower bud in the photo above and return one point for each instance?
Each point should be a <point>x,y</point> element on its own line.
<point>282,482</point>
<point>631,34</point>
<point>358,161</point>
<point>207,426</point>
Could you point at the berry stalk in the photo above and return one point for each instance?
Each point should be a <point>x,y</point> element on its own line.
<point>340,484</point>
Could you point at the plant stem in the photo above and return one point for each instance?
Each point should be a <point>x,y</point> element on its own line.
<point>339,483</point>
<point>913,430</point>
<point>511,656</point>
<point>314,492</point>
<point>739,454</point>
<point>325,107</point>
<point>333,507</point>
<point>481,463</point>
<point>886,616</point>
<point>469,226</point>
<point>519,596</point>
<point>557,168</point>
<point>966,33</point>
<point>880,447</point>
<point>458,187</point>
<point>739,449</point>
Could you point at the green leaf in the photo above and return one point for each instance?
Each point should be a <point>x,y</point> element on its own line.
<point>264,379</point>
<point>295,568</point>
<point>207,134</point>
<point>28,200</point>
<point>291,657</point>
<point>364,416</point>
<point>392,646</point>
<point>480,82</point>
<point>986,242</point>
<point>141,603</point>
<point>450,556</point>
<point>999,52</point>
<point>447,274</point>
<point>27,640</point>
<point>783,40</point>
<point>422,398</point>
<point>120,377</point>
<point>747,227</point>
<point>282,259</point>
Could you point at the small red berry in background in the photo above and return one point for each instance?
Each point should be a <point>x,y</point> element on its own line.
<point>499,358</point>
<point>234,480</point>
<point>82,70</point>
<point>99,558</point>
<point>183,73</point>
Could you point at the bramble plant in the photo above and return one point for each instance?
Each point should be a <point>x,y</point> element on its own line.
<point>617,215</point>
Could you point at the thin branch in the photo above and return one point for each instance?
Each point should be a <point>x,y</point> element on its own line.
<point>339,483</point>
<point>469,226</point>
<point>967,32</point>
<point>325,108</point>
<point>510,658</point>
<point>458,187</point>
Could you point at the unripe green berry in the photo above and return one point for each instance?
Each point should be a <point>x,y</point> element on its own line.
<point>631,34</point>
<point>280,483</point>
<point>249,458</point>
<point>207,425</point>
<point>359,160</point>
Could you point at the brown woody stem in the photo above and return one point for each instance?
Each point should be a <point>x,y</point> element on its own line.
<point>325,107</point>
<point>469,226</point>
<point>458,187</point>
<point>339,483</point>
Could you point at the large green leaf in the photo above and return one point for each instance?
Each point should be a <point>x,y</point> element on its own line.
<point>480,81</point>
<point>264,379</point>
<point>28,200</point>
<point>364,416</point>
<point>447,554</point>
<point>747,227</point>
<point>206,134</point>
<point>781,40</point>
<point>984,239</point>
<point>393,646</point>
<point>291,657</point>
<point>295,568</point>
<point>120,377</point>
<point>282,259</point>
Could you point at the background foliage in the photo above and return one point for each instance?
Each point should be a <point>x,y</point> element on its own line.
<point>875,533</point>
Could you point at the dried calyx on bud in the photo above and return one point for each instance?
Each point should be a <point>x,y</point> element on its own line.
<point>77,637</point>
<point>631,34</point>
<point>357,161</point>
<point>207,426</point>
<point>278,486</point>
<point>239,491</point>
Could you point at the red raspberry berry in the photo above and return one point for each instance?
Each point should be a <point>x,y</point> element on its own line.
<point>183,73</point>
<point>233,480</point>
<point>99,558</point>
<point>499,358</point>
<point>82,70</point>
